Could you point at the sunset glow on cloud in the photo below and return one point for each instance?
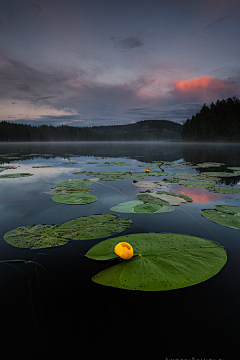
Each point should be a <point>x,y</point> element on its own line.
<point>205,88</point>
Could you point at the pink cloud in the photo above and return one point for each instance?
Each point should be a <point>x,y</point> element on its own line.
<point>205,88</point>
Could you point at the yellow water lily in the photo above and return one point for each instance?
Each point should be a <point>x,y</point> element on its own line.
<point>130,171</point>
<point>146,170</point>
<point>124,250</point>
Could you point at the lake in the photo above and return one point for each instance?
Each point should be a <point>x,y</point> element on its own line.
<point>49,305</point>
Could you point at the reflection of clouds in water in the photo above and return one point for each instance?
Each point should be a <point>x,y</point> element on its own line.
<point>201,195</point>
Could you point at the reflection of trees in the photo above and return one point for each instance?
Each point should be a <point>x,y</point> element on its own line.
<point>223,153</point>
<point>141,151</point>
<point>228,154</point>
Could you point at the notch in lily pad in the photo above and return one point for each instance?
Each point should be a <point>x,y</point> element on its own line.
<point>160,262</point>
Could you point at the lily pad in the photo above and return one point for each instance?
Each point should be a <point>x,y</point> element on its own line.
<point>16,175</point>
<point>34,237</point>
<point>150,184</point>
<point>208,165</point>
<point>69,163</point>
<point>234,168</point>
<point>224,215</point>
<point>160,262</point>
<point>66,190</point>
<point>180,165</point>
<point>222,174</point>
<point>137,206</point>
<point>112,163</point>
<point>194,176</point>
<point>41,166</point>
<point>74,183</point>
<point>198,184</point>
<point>92,227</point>
<point>225,190</point>
<point>75,198</point>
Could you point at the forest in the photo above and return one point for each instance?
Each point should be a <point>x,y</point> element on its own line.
<point>218,122</point>
<point>142,130</point>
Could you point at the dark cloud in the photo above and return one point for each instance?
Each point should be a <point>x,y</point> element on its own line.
<point>219,20</point>
<point>127,43</point>
<point>36,7</point>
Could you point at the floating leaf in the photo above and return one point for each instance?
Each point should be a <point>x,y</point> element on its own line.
<point>222,174</point>
<point>199,184</point>
<point>161,261</point>
<point>92,227</point>
<point>16,175</point>
<point>224,215</point>
<point>193,176</point>
<point>225,190</point>
<point>74,183</point>
<point>41,166</point>
<point>69,163</point>
<point>75,198</point>
<point>66,190</point>
<point>34,237</point>
<point>150,184</point>
<point>208,165</point>
<point>137,206</point>
<point>235,168</point>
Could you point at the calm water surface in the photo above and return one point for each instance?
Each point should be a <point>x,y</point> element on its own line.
<point>54,307</point>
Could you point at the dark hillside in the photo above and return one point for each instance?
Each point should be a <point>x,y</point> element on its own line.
<point>142,130</point>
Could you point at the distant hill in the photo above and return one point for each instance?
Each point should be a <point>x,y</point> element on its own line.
<point>141,131</point>
<point>219,122</point>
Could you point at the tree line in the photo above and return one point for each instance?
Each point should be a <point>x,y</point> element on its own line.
<point>218,122</point>
<point>142,130</point>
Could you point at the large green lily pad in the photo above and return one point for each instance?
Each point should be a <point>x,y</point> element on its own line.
<point>75,198</point>
<point>160,261</point>
<point>16,175</point>
<point>92,227</point>
<point>137,206</point>
<point>34,237</point>
<point>224,215</point>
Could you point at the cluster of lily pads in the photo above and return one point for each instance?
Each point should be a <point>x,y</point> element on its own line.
<point>73,192</point>
<point>145,261</point>
<point>83,228</point>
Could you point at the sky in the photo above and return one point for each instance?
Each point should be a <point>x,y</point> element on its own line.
<point>110,62</point>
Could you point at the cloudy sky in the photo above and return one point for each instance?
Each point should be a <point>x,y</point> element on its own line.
<point>109,62</point>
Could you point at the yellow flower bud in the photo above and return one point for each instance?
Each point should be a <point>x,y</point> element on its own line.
<point>146,170</point>
<point>124,250</point>
<point>130,171</point>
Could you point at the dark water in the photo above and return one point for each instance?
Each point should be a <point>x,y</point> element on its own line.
<point>53,308</point>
